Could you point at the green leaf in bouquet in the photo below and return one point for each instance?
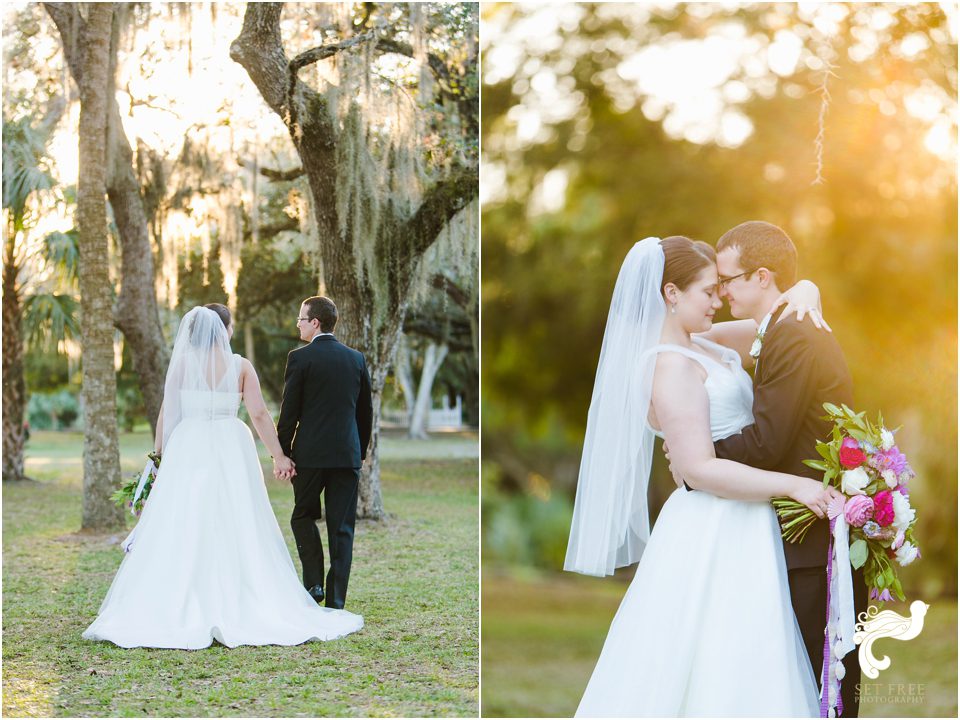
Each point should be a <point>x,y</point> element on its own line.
<point>890,576</point>
<point>858,553</point>
<point>848,412</point>
<point>816,465</point>
<point>823,450</point>
<point>834,455</point>
<point>859,434</point>
<point>832,409</point>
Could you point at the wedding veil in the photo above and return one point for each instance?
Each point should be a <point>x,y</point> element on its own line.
<point>201,365</point>
<point>610,520</point>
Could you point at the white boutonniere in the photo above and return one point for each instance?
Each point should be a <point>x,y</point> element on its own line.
<point>758,341</point>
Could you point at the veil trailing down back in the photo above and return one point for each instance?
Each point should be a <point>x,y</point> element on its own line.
<point>207,561</point>
<point>610,519</point>
<point>706,627</point>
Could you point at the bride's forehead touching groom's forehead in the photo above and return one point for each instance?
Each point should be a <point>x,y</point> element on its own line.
<point>728,261</point>
<point>708,275</point>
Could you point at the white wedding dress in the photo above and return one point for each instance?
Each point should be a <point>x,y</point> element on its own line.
<point>207,561</point>
<point>706,627</point>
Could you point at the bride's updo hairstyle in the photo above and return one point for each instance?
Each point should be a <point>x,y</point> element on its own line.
<point>222,311</point>
<point>684,259</point>
<point>200,331</point>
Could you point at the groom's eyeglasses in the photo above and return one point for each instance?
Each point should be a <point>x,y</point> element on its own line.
<point>726,281</point>
<point>306,319</point>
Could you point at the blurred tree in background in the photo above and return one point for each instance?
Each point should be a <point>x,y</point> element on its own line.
<point>605,124</point>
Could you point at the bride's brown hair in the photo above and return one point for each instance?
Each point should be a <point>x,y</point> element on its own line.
<point>684,259</point>
<point>222,311</point>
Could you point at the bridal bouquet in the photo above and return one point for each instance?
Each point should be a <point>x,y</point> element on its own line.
<point>134,492</point>
<point>864,463</point>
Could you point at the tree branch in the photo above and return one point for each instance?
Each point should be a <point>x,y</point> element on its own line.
<point>442,201</point>
<point>66,16</point>
<point>447,83</point>
<point>452,290</point>
<point>259,50</point>
<point>275,175</point>
<point>290,224</point>
<point>308,57</point>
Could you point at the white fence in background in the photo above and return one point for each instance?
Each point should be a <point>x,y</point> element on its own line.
<point>442,417</point>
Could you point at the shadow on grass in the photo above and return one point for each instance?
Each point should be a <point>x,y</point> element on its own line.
<point>542,635</point>
<point>414,580</point>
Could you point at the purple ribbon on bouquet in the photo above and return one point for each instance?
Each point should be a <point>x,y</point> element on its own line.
<point>826,677</point>
<point>841,620</point>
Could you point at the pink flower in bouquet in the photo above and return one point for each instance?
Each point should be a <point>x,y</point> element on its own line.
<point>851,455</point>
<point>891,459</point>
<point>858,510</point>
<point>898,540</point>
<point>883,508</point>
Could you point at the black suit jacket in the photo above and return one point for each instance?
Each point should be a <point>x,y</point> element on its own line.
<point>799,369</point>
<point>326,414</point>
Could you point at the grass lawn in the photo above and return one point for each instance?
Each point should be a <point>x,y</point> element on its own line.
<point>414,580</point>
<point>542,635</point>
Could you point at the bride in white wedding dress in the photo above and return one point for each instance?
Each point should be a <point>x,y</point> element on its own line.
<point>207,560</point>
<point>706,627</point>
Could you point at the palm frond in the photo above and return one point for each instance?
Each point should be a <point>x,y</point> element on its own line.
<point>49,318</point>
<point>62,250</point>
<point>26,168</point>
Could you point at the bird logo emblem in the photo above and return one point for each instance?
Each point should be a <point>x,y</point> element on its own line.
<point>875,624</point>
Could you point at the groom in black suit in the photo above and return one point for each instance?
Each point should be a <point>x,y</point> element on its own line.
<point>798,369</point>
<point>325,423</point>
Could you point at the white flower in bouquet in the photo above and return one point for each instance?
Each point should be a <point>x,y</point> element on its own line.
<point>886,439</point>
<point>854,481</point>
<point>907,553</point>
<point>903,514</point>
<point>890,478</point>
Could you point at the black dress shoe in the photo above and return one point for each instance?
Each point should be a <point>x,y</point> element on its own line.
<point>316,592</point>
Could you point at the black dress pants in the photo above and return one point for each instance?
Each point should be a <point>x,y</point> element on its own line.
<point>808,593</point>
<point>340,487</point>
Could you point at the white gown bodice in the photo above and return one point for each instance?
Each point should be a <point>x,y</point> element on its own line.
<point>729,387</point>
<point>207,405</point>
<point>219,404</point>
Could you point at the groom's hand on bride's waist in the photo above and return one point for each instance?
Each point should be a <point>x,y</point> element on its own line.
<point>677,477</point>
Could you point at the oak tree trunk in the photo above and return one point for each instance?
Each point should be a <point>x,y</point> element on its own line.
<point>365,324</point>
<point>101,454</point>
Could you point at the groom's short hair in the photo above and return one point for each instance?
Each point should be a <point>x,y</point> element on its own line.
<point>322,309</point>
<point>762,244</point>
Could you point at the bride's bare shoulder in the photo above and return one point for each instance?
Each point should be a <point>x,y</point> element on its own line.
<point>674,369</point>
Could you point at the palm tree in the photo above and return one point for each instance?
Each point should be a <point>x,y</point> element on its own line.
<point>26,173</point>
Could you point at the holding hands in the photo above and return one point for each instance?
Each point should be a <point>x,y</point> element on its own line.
<point>283,468</point>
